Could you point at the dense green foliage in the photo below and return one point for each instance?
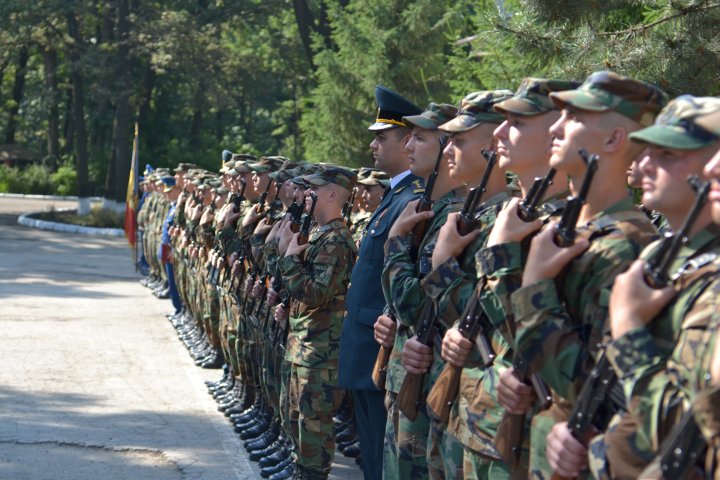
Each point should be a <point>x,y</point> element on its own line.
<point>296,78</point>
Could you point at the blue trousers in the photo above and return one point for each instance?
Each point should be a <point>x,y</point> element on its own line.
<point>370,416</point>
<point>174,295</point>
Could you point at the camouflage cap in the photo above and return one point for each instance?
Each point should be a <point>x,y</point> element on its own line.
<point>365,172</point>
<point>434,115</point>
<point>532,96</point>
<point>283,174</point>
<point>222,190</point>
<point>342,177</point>
<point>244,157</point>
<point>184,167</point>
<point>607,91</point>
<point>376,177</point>
<point>227,166</point>
<point>476,109</point>
<point>267,164</point>
<point>676,125</point>
<point>710,122</point>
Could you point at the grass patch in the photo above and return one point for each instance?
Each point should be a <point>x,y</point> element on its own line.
<point>98,217</point>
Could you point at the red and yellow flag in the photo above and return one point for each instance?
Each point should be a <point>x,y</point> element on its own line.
<point>132,198</point>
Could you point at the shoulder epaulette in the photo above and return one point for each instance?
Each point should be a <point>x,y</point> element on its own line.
<point>417,187</point>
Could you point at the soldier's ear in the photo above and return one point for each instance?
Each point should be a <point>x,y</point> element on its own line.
<point>617,138</point>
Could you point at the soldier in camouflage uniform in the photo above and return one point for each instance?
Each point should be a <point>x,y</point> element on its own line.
<point>655,339</point>
<point>316,276</point>
<point>561,307</point>
<point>406,440</point>
<point>370,191</point>
<point>521,139</point>
<point>452,278</point>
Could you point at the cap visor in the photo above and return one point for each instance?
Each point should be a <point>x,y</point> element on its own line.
<point>519,107</point>
<point>669,137</point>
<point>461,123</point>
<point>381,126</point>
<point>577,99</point>
<point>420,122</point>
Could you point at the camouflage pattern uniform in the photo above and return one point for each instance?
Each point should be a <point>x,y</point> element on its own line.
<point>561,322</point>
<point>655,362</point>
<point>317,285</point>
<point>466,448</point>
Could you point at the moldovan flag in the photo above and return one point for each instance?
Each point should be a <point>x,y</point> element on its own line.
<point>132,198</point>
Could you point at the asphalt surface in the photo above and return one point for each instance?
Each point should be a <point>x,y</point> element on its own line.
<point>94,382</point>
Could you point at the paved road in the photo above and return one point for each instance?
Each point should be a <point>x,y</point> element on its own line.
<point>94,383</point>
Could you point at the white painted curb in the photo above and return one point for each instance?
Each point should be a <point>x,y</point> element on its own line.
<point>27,221</point>
<point>46,197</point>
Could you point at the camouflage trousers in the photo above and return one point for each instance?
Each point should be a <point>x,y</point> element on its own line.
<point>477,466</point>
<point>405,448</point>
<point>542,425</point>
<point>444,453</point>
<point>211,315</point>
<point>620,452</point>
<point>313,399</point>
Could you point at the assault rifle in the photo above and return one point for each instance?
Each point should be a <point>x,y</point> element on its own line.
<point>657,268</point>
<point>565,231</point>
<point>511,430</point>
<point>379,373</point>
<point>593,411</point>
<point>275,205</point>
<point>347,209</point>
<point>409,397</point>
<point>466,220</point>
<point>237,198</point>
<point>600,399</point>
<point>296,216</point>
<point>304,236</point>
<point>528,208</point>
<point>263,197</point>
<point>426,202</point>
<point>473,326</point>
<point>682,449</point>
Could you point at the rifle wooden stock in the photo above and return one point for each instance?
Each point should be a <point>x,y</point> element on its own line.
<point>444,392</point>
<point>379,373</point>
<point>509,438</point>
<point>410,394</point>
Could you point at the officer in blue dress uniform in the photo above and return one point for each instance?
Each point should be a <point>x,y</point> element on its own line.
<point>365,300</point>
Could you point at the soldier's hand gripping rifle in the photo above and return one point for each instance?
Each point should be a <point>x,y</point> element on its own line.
<point>565,231</point>
<point>528,208</point>
<point>601,395</point>
<point>426,202</point>
<point>238,198</point>
<point>379,373</point>
<point>657,268</point>
<point>473,326</point>
<point>511,431</point>
<point>409,397</point>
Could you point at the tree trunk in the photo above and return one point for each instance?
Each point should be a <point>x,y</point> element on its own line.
<point>76,80</point>
<point>119,168</point>
<point>17,95</point>
<point>69,127</point>
<point>53,140</point>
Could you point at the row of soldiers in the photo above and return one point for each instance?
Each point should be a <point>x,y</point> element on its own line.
<point>534,324</point>
<point>267,320</point>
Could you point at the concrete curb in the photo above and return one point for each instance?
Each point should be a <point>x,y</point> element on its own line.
<point>46,197</point>
<point>27,221</point>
